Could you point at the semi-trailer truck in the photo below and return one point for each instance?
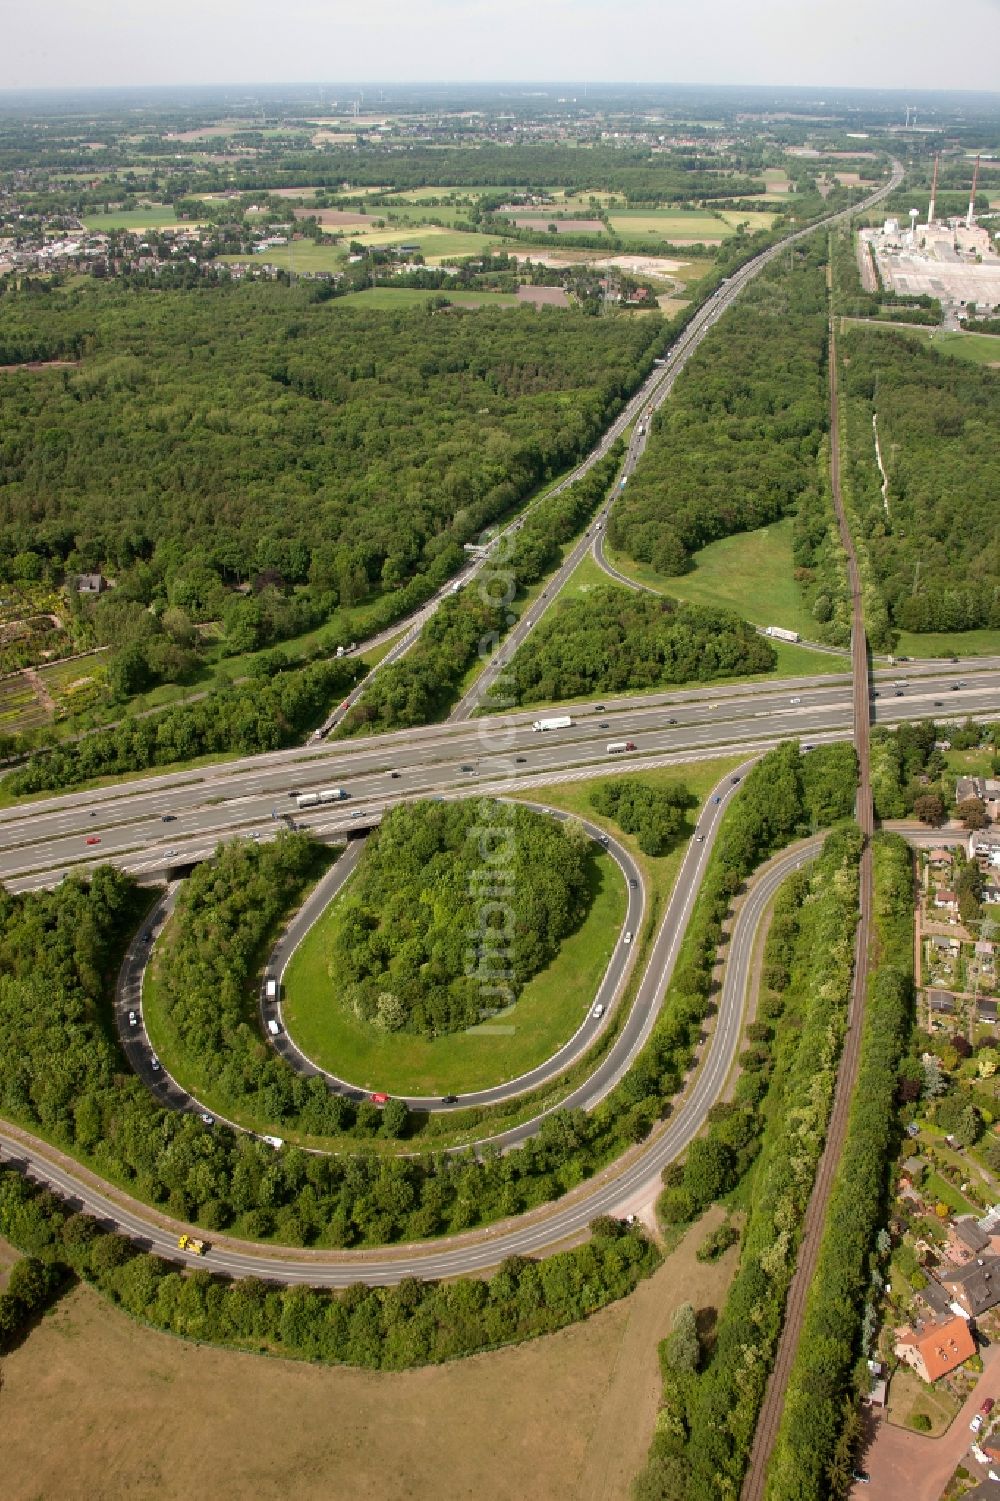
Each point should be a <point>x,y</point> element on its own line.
<point>616,747</point>
<point>560,722</point>
<point>326,795</point>
<point>780,634</point>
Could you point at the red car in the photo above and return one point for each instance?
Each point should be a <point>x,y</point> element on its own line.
<point>92,839</point>
<point>988,1405</point>
<point>379,1099</point>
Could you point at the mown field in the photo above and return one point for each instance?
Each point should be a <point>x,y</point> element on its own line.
<point>133,1413</point>
<point>156,216</point>
<point>670,224</point>
<point>549,1010</point>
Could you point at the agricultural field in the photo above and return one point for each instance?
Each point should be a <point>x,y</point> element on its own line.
<point>580,1406</point>
<point>548,1012</point>
<point>21,709</point>
<point>752,219</point>
<point>404,297</point>
<point>674,225</point>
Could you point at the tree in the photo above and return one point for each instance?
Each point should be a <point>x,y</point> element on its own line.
<point>972,812</point>
<point>682,1347</point>
<point>929,808</point>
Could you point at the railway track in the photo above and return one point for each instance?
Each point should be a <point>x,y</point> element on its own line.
<point>769,1420</point>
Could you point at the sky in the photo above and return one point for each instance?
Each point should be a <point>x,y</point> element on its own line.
<point>916,44</point>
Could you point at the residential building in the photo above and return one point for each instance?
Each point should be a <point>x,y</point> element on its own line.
<point>91,583</point>
<point>976,1288</point>
<point>936,1348</point>
<point>984,845</point>
<point>945,900</point>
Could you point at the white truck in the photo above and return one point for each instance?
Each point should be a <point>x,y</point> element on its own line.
<point>560,722</point>
<point>308,799</point>
<point>332,795</point>
<point>780,634</point>
<point>271,989</point>
<point>617,747</point>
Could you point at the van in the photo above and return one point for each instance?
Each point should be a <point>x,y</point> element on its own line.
<point>273,1027</point>
<point>274,1141</point>
<point>271,990</point>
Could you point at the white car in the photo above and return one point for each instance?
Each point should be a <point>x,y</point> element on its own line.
<point>133,1019</point>
<point>155,1063</point>
<point>598,1011</point>
<point>628,936</point>
<point>977,1423</point>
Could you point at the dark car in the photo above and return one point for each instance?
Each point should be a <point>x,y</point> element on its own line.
<point>671,721</point>
<point>449,1099</point>
<point>520,760</point>
<point>633,882</point>
<point>604,725</point>
<point>168,818</point>
<point>938,704</point>
<point>717,798</point>
<point>599,709</point>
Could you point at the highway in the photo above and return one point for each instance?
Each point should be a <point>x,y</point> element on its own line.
<point>490,687</point>
<point>158,824</point>
<point>564,1221</point>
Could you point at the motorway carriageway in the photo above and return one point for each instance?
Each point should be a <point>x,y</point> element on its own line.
<point>42,839</point>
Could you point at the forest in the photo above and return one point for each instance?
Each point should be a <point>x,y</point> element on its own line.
<point>414,939</point>
<point>249,718</point>
<point>204,438</point>
<point>425,684</point>
<point>616,639</point>
<point>737,445</point>
<point>934,544</point>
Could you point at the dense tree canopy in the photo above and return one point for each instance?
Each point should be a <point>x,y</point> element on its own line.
<point>419,948</point>
<point>618,639</point>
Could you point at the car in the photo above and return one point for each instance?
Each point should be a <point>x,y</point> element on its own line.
<point>155,1063</point>
<point>168,818</point>
<point>147,937</point>
<point>604,840</point>
<point>861,1476</point>
<point>358,813</point>
<point>449,1099</point>
<point>274,1141</point>
<point>520,760</point>
<point>605,724</point>
<point>93,839</point>
<point>255,834</point>
<point>899,693</point>
<point>206,1119</point>
<point>977,1423</point>
<point>633,882</point>
<point>394,774</point>
<point>734,780</point>
<point>699,839</point>
<point>598,1011</point>
<point>171,851</point>
<point>671,721</point>
<point>717,798</point>
<point>794,700</point>
<point>938,703</point>
<point>954,687</point>
<point>988,1406</point>
<point>133,1019</point>
<point>378,1098</point>
<point>600,709</point>
<point>467,769</point>
<point>628,936</point>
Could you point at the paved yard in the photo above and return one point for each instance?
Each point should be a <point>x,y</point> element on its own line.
<point>902,1463</point>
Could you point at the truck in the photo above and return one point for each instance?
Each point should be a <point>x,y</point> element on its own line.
<point>616,747</point>
<point>271,989</point>
<point>560,722</point>
<point>780,634</point>
<point>189,1243</point>
<point>624,482</point>
<point>308,799</point>
<point>332,795</point>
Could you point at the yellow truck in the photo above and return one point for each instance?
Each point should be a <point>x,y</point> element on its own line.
<point>188,1243</point>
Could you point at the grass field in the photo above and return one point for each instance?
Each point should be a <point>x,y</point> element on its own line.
<point>391,297</point>
<point>670,224</point>
<point>576,1410</point>
<point>981,349</point>
<point>158,216</point>
<point>750,572</point>
<point>754,220</point>
<point>435,244</point>
<point>957,644</point>
<point>549,1010</point>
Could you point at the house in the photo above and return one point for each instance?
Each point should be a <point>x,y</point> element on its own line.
<point>966,1240</point>
<point>940,1000</point>
<point>945,900</point>
<point>984,845</point>
<point>991,896</point>
<point>986,1011</point>
<point>946,946</point>
<point>91,583</point>
<point>937,1348</point>
<point>984,954</point>
<point>912,1170</point>
<point>970,787</point>
<point>976,1288</point>
<point>939,857</point>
